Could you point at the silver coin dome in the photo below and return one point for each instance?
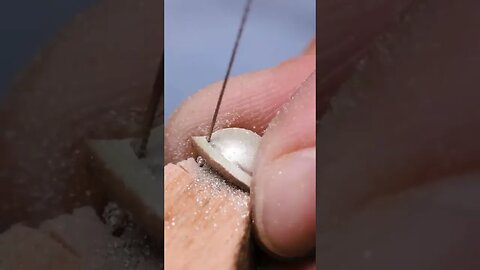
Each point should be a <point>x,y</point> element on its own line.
<point>231,152</point>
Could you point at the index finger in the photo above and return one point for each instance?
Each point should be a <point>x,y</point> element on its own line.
<point>250,102</point>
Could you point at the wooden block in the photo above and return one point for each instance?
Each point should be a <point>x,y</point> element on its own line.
<point>23,248</point>
<point>207,221</point>
<point>87,236</point>
<point>136,184</point>
<point>91,240</point>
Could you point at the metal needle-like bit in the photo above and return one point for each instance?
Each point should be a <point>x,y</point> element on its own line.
<point>155,99</point>
<point>230,64</point>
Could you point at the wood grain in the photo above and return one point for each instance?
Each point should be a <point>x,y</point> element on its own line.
<point>207,221</point>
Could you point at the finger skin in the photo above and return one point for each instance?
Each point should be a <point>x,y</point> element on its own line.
<point>394,149</point>
<point>435,226</point>
<point>346,28</point>
<point>284,177</point>
<point>409,115</point>
<point>311,49</point>
<point>250,101</point>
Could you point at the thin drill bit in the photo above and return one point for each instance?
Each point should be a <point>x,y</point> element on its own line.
<point>230,64</point>
<point>155,98</point>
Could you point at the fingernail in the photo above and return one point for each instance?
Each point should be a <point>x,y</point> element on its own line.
<point>285,203</point>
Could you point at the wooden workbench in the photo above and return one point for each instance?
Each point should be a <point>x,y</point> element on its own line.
<point>207,221</point>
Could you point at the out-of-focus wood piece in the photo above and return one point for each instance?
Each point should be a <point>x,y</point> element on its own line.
<point>207,221</point>
<point>23,248</point>
<point>135,183</point>
<point>91,240</point>
<point>87,236</point>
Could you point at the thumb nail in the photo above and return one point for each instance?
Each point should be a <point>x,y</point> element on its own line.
<point>284,203</point>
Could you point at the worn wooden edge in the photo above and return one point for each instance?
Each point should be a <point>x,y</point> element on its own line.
<point>243,255</point>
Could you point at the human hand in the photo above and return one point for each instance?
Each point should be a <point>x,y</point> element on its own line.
<point>278,103</point>
<point>284,206</point>
<point>398,148</point>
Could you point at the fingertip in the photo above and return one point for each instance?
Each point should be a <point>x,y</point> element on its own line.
<point>250,102</point>
<point>312,48</point>
<point>284,178</point>
<point>284,204</point>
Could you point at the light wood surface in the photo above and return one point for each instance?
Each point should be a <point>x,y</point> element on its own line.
<point>24,248</point>
<point>207,221</point>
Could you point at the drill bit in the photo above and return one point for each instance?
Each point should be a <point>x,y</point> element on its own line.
<point>230,64</point>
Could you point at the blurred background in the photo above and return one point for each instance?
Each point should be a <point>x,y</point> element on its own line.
<point>72,71</point>
<point>199,37</point>
<point>28,25</point>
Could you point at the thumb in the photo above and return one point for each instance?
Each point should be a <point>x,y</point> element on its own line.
<point>284,178</point>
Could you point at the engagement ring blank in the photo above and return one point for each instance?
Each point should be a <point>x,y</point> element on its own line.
<point>231,152</point>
